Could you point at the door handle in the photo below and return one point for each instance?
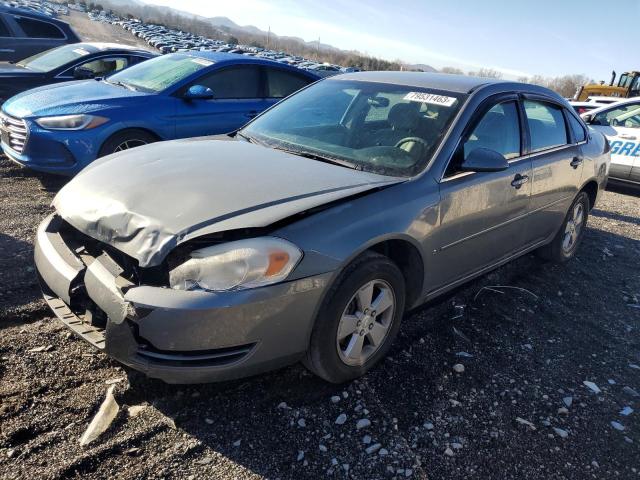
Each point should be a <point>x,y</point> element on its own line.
<point>626,136</point>
<point>251,114</point>
<point>7,50</point>
<point>519,180</point>
<point>575,163</point>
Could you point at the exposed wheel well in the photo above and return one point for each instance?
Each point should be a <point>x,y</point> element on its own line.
<point>409,260</point>
<point>591,189</point>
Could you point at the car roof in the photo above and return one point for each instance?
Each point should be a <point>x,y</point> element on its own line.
<point>231,58</point>
<point>26,12</point>
<point>102,46</point>
<point>607,106</point>
<point>438,81</point>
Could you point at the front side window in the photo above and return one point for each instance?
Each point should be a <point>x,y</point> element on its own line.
<point>233,82</point>
<point>55,58</point>
<point>160,73</point>
<point>627,116</point>
<point>499,130</point>
<point>37,29</point>
<point>281,84</point>
<point>376,127</point>
<point>105,66</point>
<point>546,125</point>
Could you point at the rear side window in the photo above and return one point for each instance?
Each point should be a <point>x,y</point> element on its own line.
<point>499,130</point>
<point>281,84</point>
<point>546,125</point>
<point>234,82</point>
<point>4,31</point>
<point>578,130</point>
<point>37,29</point>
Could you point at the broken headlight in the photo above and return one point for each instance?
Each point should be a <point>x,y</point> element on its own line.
<point>237,265</point>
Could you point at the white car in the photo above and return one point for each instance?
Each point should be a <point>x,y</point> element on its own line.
<point>620,123</point>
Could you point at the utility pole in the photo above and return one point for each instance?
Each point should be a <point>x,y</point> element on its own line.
<point>268,37</point>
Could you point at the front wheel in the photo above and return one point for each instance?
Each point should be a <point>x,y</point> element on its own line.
<point>564,245</point>
<point>358,320</point>
<point>125,140</point>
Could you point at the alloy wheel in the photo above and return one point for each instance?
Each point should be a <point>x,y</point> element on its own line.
<point>365,322</point>
<point>131,143</point>
<point>573,228</point>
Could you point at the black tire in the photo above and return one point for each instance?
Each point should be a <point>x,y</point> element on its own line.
<point>322,357</point>
<point>135,136</point>
<point>555,251</point>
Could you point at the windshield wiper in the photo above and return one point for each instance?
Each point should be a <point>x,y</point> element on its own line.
<point>122,84</point>
<point>319,158</point>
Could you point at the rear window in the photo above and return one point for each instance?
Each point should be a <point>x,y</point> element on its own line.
<point>37,29</point>
<point>546,125</point>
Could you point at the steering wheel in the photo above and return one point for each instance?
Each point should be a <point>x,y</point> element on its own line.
<point>419,140</point>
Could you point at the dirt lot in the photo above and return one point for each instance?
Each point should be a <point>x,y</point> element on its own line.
<point>91,31</point>
<point>522,355</point>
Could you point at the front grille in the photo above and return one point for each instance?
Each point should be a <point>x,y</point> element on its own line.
<point>14,132</point>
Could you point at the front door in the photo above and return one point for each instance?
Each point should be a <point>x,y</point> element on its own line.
<point>237,99</point>
<point>482,214</point>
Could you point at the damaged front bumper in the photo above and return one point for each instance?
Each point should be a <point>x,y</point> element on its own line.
<point>177,336</point>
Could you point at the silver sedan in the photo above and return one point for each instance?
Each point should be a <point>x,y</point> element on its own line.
<point>307,234</point>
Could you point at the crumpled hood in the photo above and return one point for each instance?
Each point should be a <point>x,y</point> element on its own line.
<point>147,200</point>
<point>81,96</point>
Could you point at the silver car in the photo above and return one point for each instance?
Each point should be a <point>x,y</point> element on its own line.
<point>307,234</point>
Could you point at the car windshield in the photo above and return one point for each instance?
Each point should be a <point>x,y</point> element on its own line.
<point>375,127</point>
<point>159,73</point>
<point>54,58</point>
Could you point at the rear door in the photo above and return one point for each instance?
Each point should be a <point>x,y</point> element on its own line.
<point>621,125</point>
<point>557,162</point>
<point>482,214</point>
<point>237,99</point>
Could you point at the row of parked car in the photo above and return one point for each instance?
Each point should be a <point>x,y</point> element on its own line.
<point>168,40</point>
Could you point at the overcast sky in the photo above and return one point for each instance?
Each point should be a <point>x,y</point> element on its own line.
<point>547,37</point>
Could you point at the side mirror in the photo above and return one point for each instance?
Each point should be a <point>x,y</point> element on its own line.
<point>587,117</point>
<point>484,160</point>
<point>81,73</point>
<point>198,92</point>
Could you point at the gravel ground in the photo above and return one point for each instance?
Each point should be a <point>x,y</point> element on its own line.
<point>519,409</point>
<point>90,31</point>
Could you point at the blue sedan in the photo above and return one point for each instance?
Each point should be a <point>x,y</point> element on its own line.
<point>62,128</point>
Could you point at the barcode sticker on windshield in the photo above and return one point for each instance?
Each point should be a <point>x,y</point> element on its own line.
<point>430,98</point>
<point>202,61</point>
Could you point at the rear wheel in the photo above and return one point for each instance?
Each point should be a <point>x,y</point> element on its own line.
<point>125,140</point>
<point>566,242</point>
<point>358,320</point>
